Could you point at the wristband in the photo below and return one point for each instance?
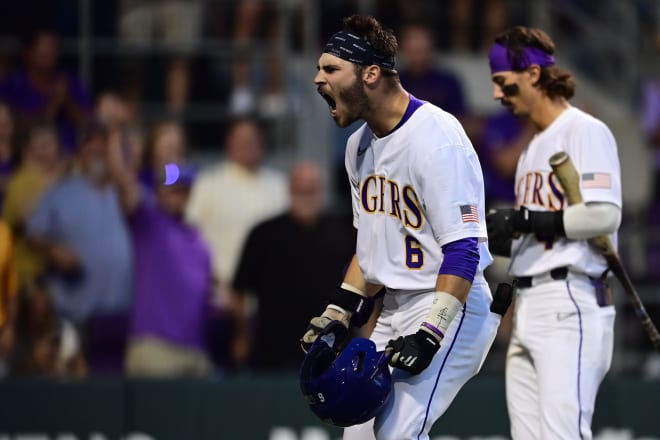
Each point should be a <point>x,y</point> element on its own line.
<point>352,300</point>
<point>443,310</point>
<point>436,331</point>
<point>338,309</point>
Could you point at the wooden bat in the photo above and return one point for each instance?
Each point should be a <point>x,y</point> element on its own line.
<point>570,181</point>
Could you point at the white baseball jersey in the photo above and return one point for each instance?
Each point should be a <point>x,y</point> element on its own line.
<point>561,345</point>
<point>593,150</point>
<point>414,191</point>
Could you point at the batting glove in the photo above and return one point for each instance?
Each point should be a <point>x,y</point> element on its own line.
<point>502,299</point>
<point>545,224</point>
<point>500,223</point>
<point>320,325</point>
<point>505,224</point>
<point>413,353</point>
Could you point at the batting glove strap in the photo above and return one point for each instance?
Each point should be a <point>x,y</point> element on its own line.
<point>413,353</point>
<point>359,306</point>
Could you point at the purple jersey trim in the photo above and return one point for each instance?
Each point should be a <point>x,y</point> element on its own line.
<point>413,105</point>
<point>461,258</point>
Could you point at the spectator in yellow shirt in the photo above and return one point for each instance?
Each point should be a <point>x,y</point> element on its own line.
<point>8,297</point>
<point>40,167</point>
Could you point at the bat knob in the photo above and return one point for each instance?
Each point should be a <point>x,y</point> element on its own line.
<point>558,158</point>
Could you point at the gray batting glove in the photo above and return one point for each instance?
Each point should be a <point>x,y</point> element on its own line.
<point>324,325</point>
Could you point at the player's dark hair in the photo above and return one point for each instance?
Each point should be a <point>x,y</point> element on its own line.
<point>381,39</point>
<point>554,81</point>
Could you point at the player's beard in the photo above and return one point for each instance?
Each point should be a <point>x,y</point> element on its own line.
<point>356,103</point>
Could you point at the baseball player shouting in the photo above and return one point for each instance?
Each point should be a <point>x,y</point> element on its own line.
<point>418,206</point>
<point>561,345</point>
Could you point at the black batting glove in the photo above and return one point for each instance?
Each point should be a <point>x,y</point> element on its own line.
<point>413,353</point>
<point>505,224</point>
<point>545,224</point>
<point>500,222</point>
<point>499,225</point>
<point>502,299</point>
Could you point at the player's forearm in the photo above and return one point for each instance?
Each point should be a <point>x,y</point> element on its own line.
<point>577,222</point>
<point>351,301</point>
<point>454,285</point>
<point>455,276</point>
<point>355,278</point>
<point>451,292</point>
<point>127,184</point>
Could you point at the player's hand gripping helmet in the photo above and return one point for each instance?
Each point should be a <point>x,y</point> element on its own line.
<point>348,386</point>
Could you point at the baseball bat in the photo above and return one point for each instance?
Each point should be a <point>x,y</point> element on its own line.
<point>570,181</point>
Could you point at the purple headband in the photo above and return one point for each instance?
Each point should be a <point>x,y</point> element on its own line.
<point>500,60</point>
<point>351,47</point>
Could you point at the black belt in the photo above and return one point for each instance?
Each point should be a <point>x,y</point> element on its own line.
<point>559,273</point>
<point>601,286</point>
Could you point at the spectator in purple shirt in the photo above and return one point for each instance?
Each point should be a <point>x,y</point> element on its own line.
<point>41,88</point>
<point>422,78</point>
<point>173,279</point>
<point>502,139</point>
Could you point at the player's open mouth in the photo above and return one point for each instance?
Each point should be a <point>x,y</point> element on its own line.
<point>331,102</point>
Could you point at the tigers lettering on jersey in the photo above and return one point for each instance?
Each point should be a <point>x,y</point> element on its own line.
<point>540,188</point>
<point>380,195</point>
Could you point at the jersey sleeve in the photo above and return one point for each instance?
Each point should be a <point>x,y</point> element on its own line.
<point>453,193</point>
<point>353,180</point>
<point>593,150</point>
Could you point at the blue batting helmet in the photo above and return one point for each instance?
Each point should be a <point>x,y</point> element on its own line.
<point>348,387</point>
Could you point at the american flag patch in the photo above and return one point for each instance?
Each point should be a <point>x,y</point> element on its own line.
<point>469,213</point>
<point>596,180</point>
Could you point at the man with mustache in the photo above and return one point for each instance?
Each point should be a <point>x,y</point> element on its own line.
<point>561,346</point>
<point>418,207</point>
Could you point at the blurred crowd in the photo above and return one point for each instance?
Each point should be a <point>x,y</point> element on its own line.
<point>121,256</point>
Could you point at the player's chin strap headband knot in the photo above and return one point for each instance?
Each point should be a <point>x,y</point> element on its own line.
<point>501,60</point>
<point>351,47</point>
